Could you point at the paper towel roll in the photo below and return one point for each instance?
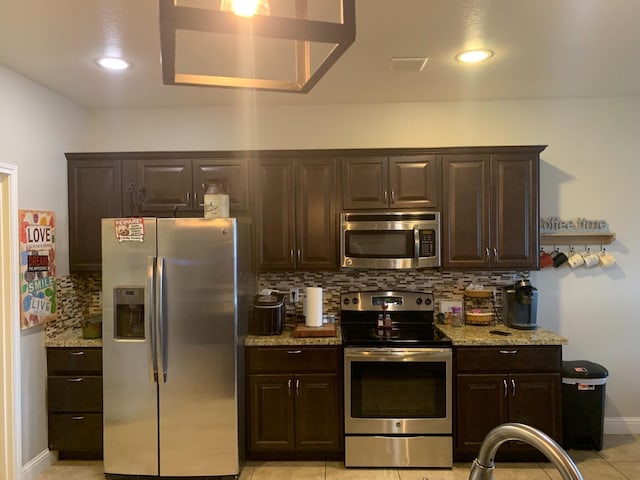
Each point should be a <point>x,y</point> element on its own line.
<point>314,307</point>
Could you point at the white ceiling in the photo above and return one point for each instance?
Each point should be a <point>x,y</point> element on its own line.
<point>543,49</point>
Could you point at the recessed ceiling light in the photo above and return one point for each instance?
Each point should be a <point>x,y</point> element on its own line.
<point>112,63</point>
<point>474,56</point>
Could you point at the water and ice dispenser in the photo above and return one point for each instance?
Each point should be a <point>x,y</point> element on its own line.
<point>129,313</point>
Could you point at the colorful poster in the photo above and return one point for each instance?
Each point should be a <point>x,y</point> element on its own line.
<point>37,268</point>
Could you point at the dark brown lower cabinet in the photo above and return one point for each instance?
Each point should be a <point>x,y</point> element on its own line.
<point>294,402</point>
<point>74,401</point>
<point>498,385</point>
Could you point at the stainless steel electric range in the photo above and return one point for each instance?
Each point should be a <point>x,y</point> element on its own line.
<point>397,381</point>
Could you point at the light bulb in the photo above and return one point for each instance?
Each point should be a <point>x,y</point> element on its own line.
<point>246,8</point>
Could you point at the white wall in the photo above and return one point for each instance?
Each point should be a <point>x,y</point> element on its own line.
<point>36,128</point>
<point>589,170</point>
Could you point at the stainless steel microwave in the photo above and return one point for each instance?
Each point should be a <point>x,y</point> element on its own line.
<point>390,240</point>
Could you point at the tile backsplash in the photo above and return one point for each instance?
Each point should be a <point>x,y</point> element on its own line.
<point>79,295</point>
<point>444,285</point>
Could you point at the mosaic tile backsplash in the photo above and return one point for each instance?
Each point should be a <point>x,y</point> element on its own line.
<point>80,295</point>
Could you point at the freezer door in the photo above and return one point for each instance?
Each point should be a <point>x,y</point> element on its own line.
<point>129,390</point>
<point>198,395</point>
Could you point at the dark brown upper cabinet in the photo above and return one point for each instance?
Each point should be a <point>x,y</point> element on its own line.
<point>296,213</point>
<point>396,182</point>
<point>94,192</point>
<point>490,211</point>
<point>176,185</point>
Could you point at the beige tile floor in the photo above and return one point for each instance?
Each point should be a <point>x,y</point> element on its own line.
<point>618,460</point>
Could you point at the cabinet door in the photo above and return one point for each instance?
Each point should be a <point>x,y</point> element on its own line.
<point>465,211</point>
<point>414,181</point>
<point>166,184</point>
<point>94,192</point>
<point>271,417</point>
<point>275,214</point>
<point>234,174</point>
<point>318,416</point>
<point>365,183</point>
<point>482,404</point>
<point>316,214</point>
<point>535,399</point>
<point>514,212</point>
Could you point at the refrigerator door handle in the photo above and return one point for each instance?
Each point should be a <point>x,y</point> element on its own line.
<point>162,339</point>
<point>151,285</point>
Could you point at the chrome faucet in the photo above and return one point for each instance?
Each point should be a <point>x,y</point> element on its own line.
<point>483,466</point>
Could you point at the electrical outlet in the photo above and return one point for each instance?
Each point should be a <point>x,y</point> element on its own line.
<point>293,295</point>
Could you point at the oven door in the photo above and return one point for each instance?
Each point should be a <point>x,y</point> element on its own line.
<point>398,391</point>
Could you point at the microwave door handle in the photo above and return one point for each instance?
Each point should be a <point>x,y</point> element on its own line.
<point>416,246</point>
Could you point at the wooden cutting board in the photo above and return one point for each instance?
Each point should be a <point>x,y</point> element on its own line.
<point>326,330</point>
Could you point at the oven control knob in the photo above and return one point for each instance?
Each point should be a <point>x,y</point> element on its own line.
<point>398,424</point>
<point>419,300</point>
<point>355,300</point>
<point>427,301</point>
<point>346,301</point>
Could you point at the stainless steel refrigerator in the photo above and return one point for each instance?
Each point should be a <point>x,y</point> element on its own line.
<point>175,296</point>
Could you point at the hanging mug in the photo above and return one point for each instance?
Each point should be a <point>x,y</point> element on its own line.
<point>606,259</point>
<point>575,259</point>
<point>590,258</point>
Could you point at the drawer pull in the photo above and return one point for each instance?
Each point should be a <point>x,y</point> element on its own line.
<point>75,379</point>
<point>78,417</point>
<point>80,352</point>
<point>294,352</point>
<point>508,352</point>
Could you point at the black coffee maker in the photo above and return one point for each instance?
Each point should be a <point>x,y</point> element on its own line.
<point>520,304</point>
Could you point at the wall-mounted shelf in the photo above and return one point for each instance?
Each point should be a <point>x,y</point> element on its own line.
<point>577,238</point>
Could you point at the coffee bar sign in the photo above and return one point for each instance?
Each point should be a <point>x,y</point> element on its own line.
<point>551,225</point>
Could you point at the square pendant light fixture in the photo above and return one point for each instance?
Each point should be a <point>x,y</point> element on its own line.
<point>286,47</point>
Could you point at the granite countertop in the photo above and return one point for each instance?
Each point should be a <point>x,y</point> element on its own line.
<point>286,338</point>
<point>71,337</point>
<point>474,335</point>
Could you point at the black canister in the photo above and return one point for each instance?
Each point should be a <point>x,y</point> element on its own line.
<point>268,312</point>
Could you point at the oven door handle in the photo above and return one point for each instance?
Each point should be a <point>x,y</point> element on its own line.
<point>392,355</point>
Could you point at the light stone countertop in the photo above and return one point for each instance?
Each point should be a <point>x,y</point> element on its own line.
<point>71,337</point>
<point>286,338</point>
<point>475,335</point>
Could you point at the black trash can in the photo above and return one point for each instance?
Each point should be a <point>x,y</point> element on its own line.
<point>583,388</point>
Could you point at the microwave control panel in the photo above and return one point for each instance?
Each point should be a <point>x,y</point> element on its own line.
<point>427,239</point>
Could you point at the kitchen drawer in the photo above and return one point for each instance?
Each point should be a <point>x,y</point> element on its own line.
<point>74,394</point>
<point>74,360</point>
<point>509,359</point>
<point>292,359</point>
<point>79,431</point>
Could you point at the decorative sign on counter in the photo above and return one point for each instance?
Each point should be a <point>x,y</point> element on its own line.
<point>37,268</point>
<point>551,225</point>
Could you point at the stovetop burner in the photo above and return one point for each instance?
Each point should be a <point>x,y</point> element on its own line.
<point>397,336</point>
<point>411,315</point>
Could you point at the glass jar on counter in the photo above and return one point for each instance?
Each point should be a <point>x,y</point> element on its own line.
<point>455,319</point>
